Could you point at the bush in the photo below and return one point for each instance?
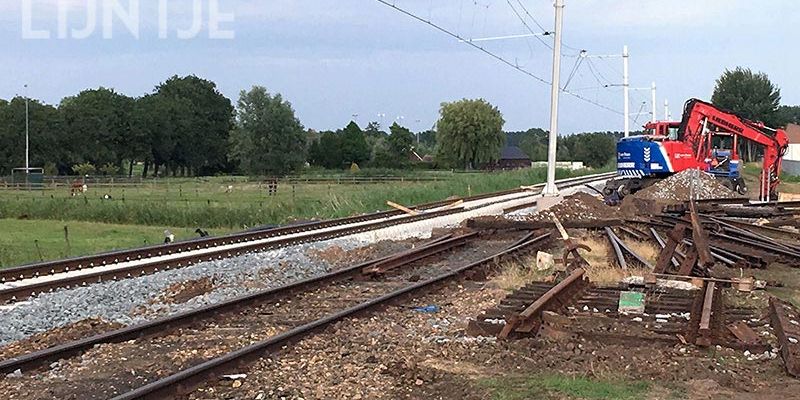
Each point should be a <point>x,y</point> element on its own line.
<point>84,169</point>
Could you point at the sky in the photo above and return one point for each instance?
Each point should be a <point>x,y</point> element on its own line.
<point>337,60</point>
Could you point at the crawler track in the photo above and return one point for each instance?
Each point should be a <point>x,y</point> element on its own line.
<point>24,281</point>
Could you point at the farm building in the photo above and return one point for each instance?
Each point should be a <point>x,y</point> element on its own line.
<point>511,157</point>
<point>791,161</point>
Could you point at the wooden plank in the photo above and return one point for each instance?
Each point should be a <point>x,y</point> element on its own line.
<point>401,208</point>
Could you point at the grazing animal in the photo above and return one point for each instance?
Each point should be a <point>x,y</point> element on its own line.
<point>168,237</point>
<point>107,197</point>
<point>78,188</point>
<point>201,232</point>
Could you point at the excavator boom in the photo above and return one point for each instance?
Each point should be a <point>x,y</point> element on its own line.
<point>701,120</point>
<point>697,142</point>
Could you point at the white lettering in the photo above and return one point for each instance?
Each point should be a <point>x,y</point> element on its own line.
<point>129,17</point>
<point>215,17</point>
<point>197,22</point>
<point>27,23</point>
<point>91,21</point>
<point>163,23</point>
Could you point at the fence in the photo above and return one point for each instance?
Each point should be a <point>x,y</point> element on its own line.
<point>60,182</point>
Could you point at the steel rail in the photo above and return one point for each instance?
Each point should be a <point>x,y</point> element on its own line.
<point>42,357</point>
<point>14,293</point>
<point>188,379</point>
<point>78,263</point>
<point>19,292</point>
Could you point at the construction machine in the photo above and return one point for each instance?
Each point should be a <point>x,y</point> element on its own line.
<point>707,139</point>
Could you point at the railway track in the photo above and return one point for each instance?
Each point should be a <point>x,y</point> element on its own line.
<point>30,280</point>
<point>241,329</point>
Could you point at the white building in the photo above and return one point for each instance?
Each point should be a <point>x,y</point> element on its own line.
<point>791,160</point>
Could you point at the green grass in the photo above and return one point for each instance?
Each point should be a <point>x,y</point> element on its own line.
<point>559,387</point>
<point>23,241</point>
<point>204,202</point>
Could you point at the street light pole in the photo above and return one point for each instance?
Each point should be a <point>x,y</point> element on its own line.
<point>27,134</point>
<point>551,189</point>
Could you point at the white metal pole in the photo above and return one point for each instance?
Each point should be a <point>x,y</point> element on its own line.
<point>626,90</point>
<point>551,189</point>
<point>27,133</point>
<point>666,110</point>
<point>653,93</point>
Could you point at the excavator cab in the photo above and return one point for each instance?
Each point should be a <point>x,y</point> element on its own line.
<point>667,130</point>
<point>723,161</point>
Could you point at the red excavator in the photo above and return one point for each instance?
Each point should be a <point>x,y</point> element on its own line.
<point>707,139</point>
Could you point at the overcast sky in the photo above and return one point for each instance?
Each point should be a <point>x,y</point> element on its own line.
<point>336,58</point>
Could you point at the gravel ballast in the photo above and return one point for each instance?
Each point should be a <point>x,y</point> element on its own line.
<point>135,300</point>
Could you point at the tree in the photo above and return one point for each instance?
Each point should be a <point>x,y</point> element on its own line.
<point>98,125</point>
<point>595,149</point>
<point>268,138</point>
<point>199,119</point>
<point>330,150</point>
<point>47,144</point>
<point>315,154</point>
<point>749,94</point>
<point>788,115</point>
<point>354,145</point>
<point>393,151</point>
<point>470,133</point>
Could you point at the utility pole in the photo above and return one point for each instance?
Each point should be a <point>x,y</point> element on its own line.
<point>667,117</point>
<point>551,189</point>
<point>626,90</point>
<point>653,102</point>
<point>27,134</point>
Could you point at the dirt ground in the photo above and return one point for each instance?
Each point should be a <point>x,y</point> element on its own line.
<point>406,354</point>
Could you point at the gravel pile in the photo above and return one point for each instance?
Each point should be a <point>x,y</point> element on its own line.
<point>580,206</point>
<point>678,187</point>
<point>131,301</point>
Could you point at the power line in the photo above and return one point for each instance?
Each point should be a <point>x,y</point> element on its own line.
<point>524,9</point>
<point>493,55</point>
<point>544,31</point>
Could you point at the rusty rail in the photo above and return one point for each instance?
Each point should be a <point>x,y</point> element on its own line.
<point>704,331</point>
<point>784,318</point>
<point>42,357</point>
<point>559,295</point>
<point>186,380</point>
<point>407,257</point>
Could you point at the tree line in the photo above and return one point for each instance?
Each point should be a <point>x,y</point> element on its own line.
<point>186,127</point>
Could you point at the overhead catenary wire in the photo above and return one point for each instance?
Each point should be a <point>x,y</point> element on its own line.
<point>528,27</point>
<point>493,55</point>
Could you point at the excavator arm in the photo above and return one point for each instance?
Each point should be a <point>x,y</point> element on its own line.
<point>698,124</point>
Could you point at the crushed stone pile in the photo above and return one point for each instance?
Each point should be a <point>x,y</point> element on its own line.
<point>678,187</point>
<point>580,206</point>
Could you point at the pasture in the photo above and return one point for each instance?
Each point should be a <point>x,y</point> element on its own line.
<point>118,215</point>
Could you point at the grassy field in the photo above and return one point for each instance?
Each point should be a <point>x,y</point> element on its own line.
<point>24,241</point>
<point>32,222</point>
<point>234,203</point>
